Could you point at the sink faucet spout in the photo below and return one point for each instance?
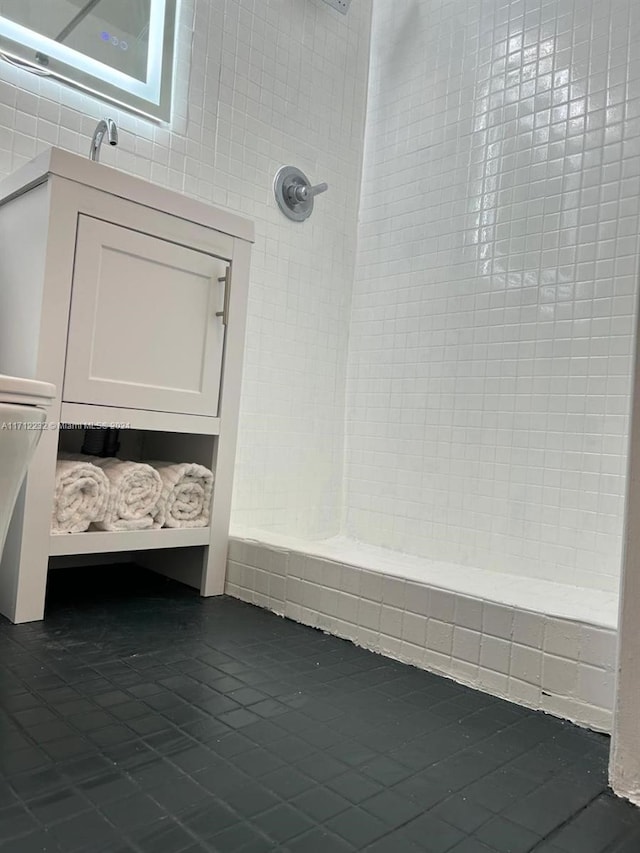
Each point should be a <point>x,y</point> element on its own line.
<point>106,127</point>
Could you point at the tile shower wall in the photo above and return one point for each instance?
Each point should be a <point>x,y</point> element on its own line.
<point>491,338</point>
<point>261,83</point>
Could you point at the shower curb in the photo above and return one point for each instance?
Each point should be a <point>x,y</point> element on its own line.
<point>561,666</point>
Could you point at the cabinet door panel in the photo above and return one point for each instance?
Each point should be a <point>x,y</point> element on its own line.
<point>143,330</point>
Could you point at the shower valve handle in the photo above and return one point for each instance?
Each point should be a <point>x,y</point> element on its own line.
<point>298,193</point>
<point>295,194</point>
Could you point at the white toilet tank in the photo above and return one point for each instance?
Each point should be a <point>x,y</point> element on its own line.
<point>23,411</point>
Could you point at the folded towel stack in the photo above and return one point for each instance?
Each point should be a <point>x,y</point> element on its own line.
<point>186,494</point>
<point>114,494</point>
<point>81,494</point>
<point>134,493</point>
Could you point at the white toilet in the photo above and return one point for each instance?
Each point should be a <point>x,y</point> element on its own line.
<point>23,410</point>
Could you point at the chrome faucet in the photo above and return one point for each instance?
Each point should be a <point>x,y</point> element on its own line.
<point>105,127</point>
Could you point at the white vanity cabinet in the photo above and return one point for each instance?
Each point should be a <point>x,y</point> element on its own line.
<point>131,299</point>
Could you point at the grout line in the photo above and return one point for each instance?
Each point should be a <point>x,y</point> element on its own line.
<point>554,832</point>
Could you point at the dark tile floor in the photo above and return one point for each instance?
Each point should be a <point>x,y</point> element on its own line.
<point>158,722</point>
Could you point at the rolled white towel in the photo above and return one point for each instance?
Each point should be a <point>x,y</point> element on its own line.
<point>81,494</point>
<point>135,489</point>
<point>186,494</point>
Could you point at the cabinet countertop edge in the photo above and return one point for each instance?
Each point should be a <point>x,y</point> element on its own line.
<point>65,164</point>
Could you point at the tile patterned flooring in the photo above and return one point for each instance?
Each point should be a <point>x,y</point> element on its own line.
<point>155,721</point>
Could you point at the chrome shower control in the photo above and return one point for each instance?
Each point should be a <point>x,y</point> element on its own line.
<point>297,193</point>
<point>294,193</point>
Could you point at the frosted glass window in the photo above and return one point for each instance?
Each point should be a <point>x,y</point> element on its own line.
<point>120,49</point>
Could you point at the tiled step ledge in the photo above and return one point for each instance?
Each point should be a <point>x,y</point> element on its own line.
<point>561,661</point>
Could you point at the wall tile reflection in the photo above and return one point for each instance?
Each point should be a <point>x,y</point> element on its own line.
<point>493,308</point>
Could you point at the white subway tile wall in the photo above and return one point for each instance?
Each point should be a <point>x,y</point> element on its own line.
<point>293,90</point>
<point>502,649</point>
<point>260,84</point>
<point>492,319</point>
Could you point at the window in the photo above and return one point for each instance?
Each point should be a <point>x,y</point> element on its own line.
<point>119,49</point>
